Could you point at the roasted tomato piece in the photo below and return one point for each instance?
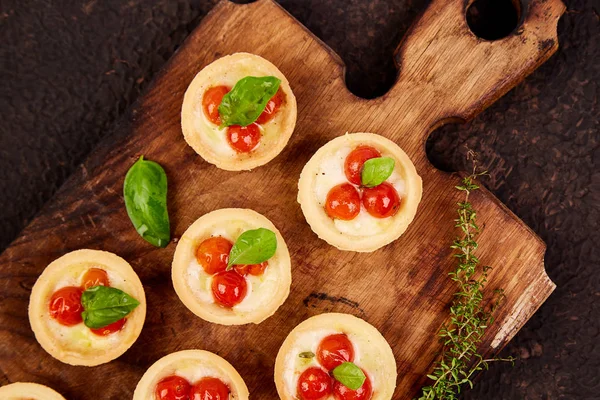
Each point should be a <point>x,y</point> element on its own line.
<point>65,305</point>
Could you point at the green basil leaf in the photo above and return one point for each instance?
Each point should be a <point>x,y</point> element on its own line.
<point>253,247</point>
<point>306,354</point>
<point>145,192</point>
<point>104,305</point>
<point>247,100</point>
<point>349,375</point>
<point>376,170</point>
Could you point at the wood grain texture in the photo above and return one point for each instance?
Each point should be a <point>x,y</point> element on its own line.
<point>445,73</point>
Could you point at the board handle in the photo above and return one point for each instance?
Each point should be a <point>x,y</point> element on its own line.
<point>447,73</point>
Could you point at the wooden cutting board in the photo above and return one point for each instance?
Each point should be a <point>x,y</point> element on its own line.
<point>446,73</point>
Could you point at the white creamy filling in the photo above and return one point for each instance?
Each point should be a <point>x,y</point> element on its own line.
<point>331,173</point>
<point>79,336</point>
<point>193,372</point>
<point>217,137</point>
<point>309,341</point>
<point>260,289</point>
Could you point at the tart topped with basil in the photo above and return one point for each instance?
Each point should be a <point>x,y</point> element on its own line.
<point>232,267</point>
<point>191,375</point>
<point>335,356</point>
<point>87,307</point>
<point>359,192</point>
<point>28,391</point>
<point>239,112</point>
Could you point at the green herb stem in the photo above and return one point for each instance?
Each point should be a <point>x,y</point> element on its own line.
<point>469,318</point>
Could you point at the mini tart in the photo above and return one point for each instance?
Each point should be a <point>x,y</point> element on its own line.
<point>209,141</point>
<point>28,391</point>
<point>365,233</point>
<point>193,286</point>
<point>77,345</point>
<point>372,353</point>
<point>191,365</point>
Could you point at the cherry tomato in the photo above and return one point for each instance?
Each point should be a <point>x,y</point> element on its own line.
<point>229,288</point>
<point>254,269</point>
<point>211,101</point>
<point>213,254</point>
<point>341,392</point>
<point>173,388</point>
<point>95,277</point>
<point>314,384</point>
<point>334,350</point>
<point>343,202</point>
<point>65,305</point>
<point>381,201</point>
<point>271,109</point>
<point>108,329</point>
<point>243,139</point>
<point>209,389</point>
<point>356,159</point>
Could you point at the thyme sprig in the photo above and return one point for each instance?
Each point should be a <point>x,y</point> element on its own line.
<point>469,317</point>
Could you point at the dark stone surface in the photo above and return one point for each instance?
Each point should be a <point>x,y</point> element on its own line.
<point>69,68</point>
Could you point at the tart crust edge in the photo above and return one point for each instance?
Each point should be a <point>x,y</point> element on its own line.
<point>143,390</point>
<point>319,221</point>
<point>193,139</point>
<point>356,326</point>
<point>28,389</point>
<point>179,267</point>
<point>37,306</point>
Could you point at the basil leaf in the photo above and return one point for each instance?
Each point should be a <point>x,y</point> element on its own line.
<point>104,305</point>
<point>376,170</point>
<point>349,375</point>
<point>306,354</point>
<point>253,247</point>
<point>247,100</point>
<point>145,192</point>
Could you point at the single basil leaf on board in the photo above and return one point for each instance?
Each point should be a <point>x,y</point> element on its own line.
<point>376,170</point>
<point>306,354</point>
<point>253,247</point>
<point>145,192</point>
<point>349,375</point>
<point>247,100</point>
<point>104,305</point>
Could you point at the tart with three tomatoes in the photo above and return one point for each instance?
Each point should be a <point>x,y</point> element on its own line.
<point>28,391</point>
<point>335,356</point>
<point>239,112</point>
<point>359,192</point>
<point>232,267</point>
<point>191,375</point>
<point>87,307</point>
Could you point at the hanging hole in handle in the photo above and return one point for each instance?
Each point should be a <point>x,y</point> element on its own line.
<point>493,19</point>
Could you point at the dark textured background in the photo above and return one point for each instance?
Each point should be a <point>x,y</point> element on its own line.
<point>69,69</point>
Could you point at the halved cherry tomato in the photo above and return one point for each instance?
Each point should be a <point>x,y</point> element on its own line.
<point>341,392</point>
<point>243,139</point>
<point>271,109</point>
<point>95,277</point>
<point>108,329</point>
<point>343,202</point>
<point>314,384</point>
<point>335,350</point>
<point>210,103</point>
<point>213,254</point>
<point>381,201</point>
<point>65,305</point>
<point>229,288</point>
<point>254,269</point>
<point>173,388</point>
<point>209,389</point>
<point>356,159</point>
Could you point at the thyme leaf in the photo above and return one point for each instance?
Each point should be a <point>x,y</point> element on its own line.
<point>469,318</point>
